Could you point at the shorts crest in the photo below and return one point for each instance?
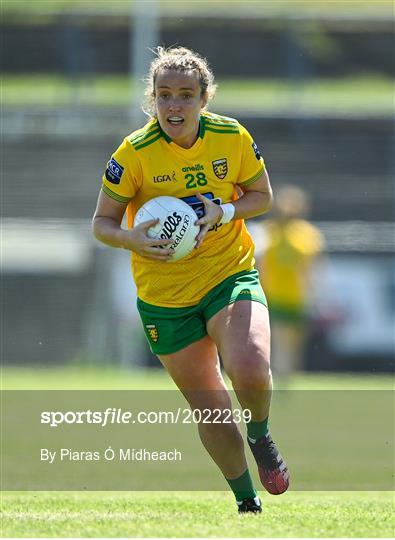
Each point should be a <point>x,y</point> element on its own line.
<point>153,332</point>
<point>220,167</point>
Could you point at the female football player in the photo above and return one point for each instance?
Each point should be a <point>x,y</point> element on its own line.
<point>211,302</point>
<point>292,254</point>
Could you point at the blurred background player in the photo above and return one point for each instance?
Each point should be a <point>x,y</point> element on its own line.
<point>293,246</point>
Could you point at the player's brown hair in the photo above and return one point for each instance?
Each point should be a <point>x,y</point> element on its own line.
<point>177,59</point>
<point>291,201</point>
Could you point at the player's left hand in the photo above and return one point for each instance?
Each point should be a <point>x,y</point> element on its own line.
<point>212,214</point>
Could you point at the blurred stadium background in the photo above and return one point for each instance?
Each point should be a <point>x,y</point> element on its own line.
<point>312,81</point>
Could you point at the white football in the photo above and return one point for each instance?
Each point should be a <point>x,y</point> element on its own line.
<point>176,222</point>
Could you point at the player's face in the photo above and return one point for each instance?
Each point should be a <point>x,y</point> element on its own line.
<point>179,100</point>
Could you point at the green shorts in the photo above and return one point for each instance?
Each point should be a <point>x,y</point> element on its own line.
<point>289,314</point>
<point>171,329</point>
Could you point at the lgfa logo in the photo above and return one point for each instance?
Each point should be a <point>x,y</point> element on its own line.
<point>165,178</point>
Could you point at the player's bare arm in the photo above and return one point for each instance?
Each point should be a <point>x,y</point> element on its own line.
<point>107,228</point>
<point>257,198</point>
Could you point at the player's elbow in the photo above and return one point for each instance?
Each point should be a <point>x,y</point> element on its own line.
<point>96,227</point>
<point>269,200</point>
<point>266,201</point>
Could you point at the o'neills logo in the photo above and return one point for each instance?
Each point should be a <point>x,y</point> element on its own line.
<point>194,168</point>
<point>180,235</point>
<point>165,178</point>
<point>220,167</point>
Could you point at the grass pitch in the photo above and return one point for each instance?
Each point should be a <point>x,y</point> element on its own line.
<point>186,514</point>
<point>196,515</point>
<point>346,96</point>
<point>92,377</point>
<point>48,8</point>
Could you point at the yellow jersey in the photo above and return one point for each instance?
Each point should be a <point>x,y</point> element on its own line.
<point>291,247</point>
<point>148,164</point>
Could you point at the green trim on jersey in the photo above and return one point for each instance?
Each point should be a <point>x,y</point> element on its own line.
<point>142,136</point>
<point>143,132</point>
<point>234,131</point>
<point>202,127</point>
<point>146,136</point>
<point>147,141</point>
<point>164,135</point>
<point>113,195</point>
<point>219,124</point>
<point>253,179</point>
<point>208,122</point>
<point>231,125</point>
<point>152,124</point>
<point>217,118</point>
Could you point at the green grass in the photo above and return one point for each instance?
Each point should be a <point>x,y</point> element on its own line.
<point>189,514</point>
<point>264,7</point>
<point>195,515</point>
<point>84,377</point>
<point>367,95</point>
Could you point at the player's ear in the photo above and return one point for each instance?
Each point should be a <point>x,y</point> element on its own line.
<point>204,99</point>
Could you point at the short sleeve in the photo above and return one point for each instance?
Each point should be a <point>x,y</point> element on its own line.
<point>122,176</point>
<point>252,164</point>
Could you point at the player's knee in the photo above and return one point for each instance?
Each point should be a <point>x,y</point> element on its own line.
<point>208,400</point>
<point>252,381</point>
<point>253,373</point>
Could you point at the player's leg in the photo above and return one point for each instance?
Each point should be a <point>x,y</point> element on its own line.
<point>178,336</point>
<point>196,371</point>
<point>242,333</point>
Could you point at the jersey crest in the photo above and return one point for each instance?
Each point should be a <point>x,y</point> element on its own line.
<point>220,168</point>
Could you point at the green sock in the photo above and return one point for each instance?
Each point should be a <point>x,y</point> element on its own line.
<point>242,487</point>
<point>256,430</point>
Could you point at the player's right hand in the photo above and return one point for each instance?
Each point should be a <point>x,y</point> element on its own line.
<point>139,242</point>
